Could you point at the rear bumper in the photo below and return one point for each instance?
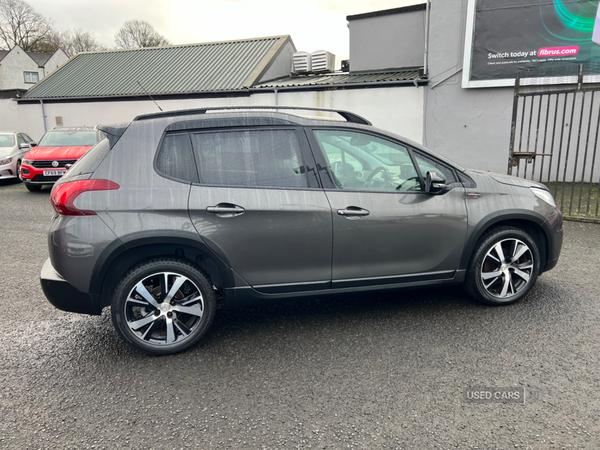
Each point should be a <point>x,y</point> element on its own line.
<point>63,295</point>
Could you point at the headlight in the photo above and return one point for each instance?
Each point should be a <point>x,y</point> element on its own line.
<point>5,161</point>
<point>544,195</point>
<point>28,162</point>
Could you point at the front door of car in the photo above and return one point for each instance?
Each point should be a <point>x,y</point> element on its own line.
<point>386,229</point>
<point>260,207</point>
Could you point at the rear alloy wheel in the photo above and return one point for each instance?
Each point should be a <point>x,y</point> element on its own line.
<point>163,306</point>
<point>504,266</point>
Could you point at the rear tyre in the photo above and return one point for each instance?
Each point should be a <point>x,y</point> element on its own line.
<point>33,187</point>
<point>504,267</point>
<point>163,306</point>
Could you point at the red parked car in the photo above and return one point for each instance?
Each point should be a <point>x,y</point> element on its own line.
<point>56,152</point>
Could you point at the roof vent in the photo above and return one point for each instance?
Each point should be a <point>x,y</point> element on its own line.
<point>302,62</point>
<point>323,61</point>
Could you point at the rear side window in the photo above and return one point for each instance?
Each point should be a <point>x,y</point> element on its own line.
<point>175,158</point>
<point>250,158</point>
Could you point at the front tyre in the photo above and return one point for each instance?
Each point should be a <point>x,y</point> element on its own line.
<point>163,306</point>
<point>504,266</point>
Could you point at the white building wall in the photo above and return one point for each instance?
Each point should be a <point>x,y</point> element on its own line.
<point>396,109</point>
<point>9,118</point>
<point>12,67</point>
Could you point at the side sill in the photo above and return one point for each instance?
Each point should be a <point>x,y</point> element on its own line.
<point>245,296</point>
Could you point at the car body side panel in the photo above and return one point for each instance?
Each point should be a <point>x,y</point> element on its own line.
<point>492,202</point>
<point>74,244</point>
<point>283,236</point>
<point>404,233</point>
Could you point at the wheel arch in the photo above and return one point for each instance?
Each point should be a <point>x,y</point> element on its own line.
<point>118,258</point>
<point>531,222</point>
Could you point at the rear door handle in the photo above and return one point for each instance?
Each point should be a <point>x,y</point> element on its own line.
<point>225,209</point>
<point>353,211</point>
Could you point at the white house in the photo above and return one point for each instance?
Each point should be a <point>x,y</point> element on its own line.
<point>20,70</point>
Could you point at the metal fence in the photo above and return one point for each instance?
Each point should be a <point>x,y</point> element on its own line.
<point>554,140</point>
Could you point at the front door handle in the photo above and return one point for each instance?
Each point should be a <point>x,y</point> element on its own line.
<point>225,209</point>
<point>353,211</point>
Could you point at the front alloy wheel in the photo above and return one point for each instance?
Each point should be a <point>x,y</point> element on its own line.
<point>163,306</point>
<point>504,267</point>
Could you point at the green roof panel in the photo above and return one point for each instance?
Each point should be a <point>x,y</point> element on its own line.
<point>182,69</point>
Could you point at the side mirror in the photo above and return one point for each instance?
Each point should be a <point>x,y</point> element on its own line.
<point>434,183</point>
<point>24,145</point>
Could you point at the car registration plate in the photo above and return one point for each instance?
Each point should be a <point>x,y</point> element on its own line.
<point>53,173</point>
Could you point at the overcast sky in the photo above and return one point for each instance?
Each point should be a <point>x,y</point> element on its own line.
<point>313,24</point>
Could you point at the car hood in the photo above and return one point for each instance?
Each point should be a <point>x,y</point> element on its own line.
<point>49,153</point>
<point>5,152</point>
<point>507,179</point>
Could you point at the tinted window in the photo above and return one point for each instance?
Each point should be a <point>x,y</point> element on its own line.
<point>69,138</point>
<point>256,158</point>
<point>175,158</point>
<point>362,162</point>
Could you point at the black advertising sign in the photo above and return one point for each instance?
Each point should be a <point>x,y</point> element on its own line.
<point>539,38</point>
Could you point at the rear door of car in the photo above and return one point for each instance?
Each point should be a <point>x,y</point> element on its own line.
<point>259,205</point>
<point>386,229</point>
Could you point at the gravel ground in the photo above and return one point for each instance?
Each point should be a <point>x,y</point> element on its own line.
<point>362,372</point>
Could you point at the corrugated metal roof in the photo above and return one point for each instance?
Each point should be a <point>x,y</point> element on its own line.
<point>183,69</point>
<point>342,78</point>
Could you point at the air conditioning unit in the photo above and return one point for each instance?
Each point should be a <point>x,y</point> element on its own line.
<point>302,62</point>
<point>323,61</point>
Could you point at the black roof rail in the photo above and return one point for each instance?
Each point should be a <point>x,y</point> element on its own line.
<point>347,115</point>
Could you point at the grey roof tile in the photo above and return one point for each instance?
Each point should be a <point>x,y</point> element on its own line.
<point>342,79</point>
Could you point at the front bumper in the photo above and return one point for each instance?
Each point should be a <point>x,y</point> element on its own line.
<point>32,175</point>
<point>8,170</point>
<point>63,295</point>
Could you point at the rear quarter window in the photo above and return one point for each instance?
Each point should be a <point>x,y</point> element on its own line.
<point>175,158</point>
<point>89,162</point>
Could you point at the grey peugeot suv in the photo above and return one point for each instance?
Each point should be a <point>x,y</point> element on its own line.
<point>179,210</point>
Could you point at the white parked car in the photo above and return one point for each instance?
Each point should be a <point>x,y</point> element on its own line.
<point>13,147</point>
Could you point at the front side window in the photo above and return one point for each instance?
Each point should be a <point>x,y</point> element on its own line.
<point>426,164</point>
<point>362,162</point>
<point>31,77</point>
<point>250,158</point>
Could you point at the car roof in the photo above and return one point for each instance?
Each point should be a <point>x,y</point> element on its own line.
<point>82,128</point>
<point>270,111</point>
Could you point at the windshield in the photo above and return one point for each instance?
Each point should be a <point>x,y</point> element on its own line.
<point>7,140</point>
<point>68,138</point>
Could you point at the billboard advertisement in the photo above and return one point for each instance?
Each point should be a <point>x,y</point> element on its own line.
<point>544,40</point>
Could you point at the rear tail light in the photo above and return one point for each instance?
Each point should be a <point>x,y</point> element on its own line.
<point>64,195</point>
